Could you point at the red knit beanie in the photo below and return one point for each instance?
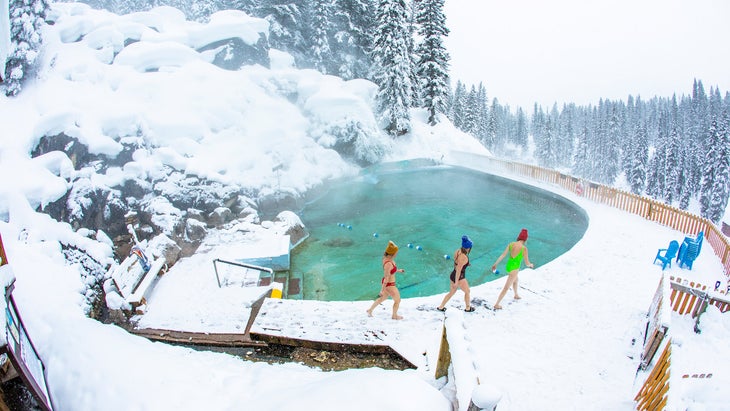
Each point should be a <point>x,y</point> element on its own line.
<point>523,235</point>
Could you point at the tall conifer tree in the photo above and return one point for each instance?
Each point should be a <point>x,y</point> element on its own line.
<point>321,13</point>
<point>393,66</point>
<point>433,59</point>
<point>354,26</point>
<point>638,159</point>
<point>457,105</point>
<point>26,19</point>
<point>716,179</point>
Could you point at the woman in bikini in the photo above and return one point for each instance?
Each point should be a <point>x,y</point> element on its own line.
<point>517,251</point>
<point>461,261</point>
<point>387,284</point>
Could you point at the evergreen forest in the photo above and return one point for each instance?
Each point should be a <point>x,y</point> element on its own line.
<point>673,148</point>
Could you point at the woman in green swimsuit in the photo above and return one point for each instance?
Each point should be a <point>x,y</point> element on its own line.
<point>517,251</point>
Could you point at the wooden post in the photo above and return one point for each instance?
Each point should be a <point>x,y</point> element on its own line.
<point>444,360</point>
<point>3,256</point>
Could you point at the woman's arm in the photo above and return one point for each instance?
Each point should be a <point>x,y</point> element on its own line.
<point>527,258</point>
<point>506,250</point>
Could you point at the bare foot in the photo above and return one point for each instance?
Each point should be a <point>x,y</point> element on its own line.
<point>397,317</point>
<point>497,307</point>
<point>517,297</point>
<point>370,313</point>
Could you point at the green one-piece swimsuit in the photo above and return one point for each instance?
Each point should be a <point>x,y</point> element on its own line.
<point>514,262</point>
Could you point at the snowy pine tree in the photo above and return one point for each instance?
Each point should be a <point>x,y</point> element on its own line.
<point>566,135</point>
<point>26,19</point>
<point>458,102</point>
<point>433,59</point>
<point>493,124</point>
<point>286,23</point>
<point>353,37</point>
<point>611,144</point>
<point>521,130</point>
<point>470,119</point>
<point>545,144</point>
<point>716,179</point>
<point>672,166</point>
<point>638,160</point>
<point>656,182</point>
<point>393,66</point>
<point>320,13</point>
<point>482,133</point>
<point>412,31</point>
<point>696,137</point>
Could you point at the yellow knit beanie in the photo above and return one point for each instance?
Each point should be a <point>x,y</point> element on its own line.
<point>391,249</point>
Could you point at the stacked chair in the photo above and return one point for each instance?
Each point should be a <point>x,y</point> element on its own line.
<point>689,250</point>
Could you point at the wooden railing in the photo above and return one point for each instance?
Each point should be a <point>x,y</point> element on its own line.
<point>657,325</point>
<point>685,298</point>
<point>692,298</point>
<point>654,392</point>
<point>648,208</point>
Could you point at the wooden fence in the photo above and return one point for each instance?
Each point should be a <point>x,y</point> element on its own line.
<point>657,326</point>
<point>693,298</point>
<point>654,392</point>
<point>648,208</point>
<point>685,298</point>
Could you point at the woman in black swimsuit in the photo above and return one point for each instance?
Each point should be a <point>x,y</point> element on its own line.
<point>461,261</point>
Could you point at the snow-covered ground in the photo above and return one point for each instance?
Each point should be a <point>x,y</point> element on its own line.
<point>572,342</point>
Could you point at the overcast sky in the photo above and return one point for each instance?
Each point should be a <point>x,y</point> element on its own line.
<point>527,51</point>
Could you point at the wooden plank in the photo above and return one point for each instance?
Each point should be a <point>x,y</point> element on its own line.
<point>327,345</point>
<point>653,346</point>
<point>3,256</point>
<point>653,391</point>
<point>197,338</point>
<point>444,358</point>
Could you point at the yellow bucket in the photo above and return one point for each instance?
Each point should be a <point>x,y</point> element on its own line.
<point>276,289</point>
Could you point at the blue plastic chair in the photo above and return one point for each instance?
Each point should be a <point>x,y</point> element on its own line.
<point>669,253</point>
<point>690,249</point>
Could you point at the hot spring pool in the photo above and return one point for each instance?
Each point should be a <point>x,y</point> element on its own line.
<point>425,211</point>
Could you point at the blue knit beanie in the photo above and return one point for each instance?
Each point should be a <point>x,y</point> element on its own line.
<point>466,242</point>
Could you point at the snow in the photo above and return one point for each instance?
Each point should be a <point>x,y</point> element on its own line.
<point>572,342</point>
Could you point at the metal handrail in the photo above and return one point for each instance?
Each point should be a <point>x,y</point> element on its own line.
<point>243,265</point>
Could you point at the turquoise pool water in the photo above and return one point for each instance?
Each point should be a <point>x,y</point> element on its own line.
<point>425,211</point>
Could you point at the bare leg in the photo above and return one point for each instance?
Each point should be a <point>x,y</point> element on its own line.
<point>464,285</point>
<point>447,297</point>
<point>514,287</point>
<point>383,297</point>
<point>396,302</point>
<point>511,278</point>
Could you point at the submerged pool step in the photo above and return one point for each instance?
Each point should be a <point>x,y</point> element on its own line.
<point>292,284</point>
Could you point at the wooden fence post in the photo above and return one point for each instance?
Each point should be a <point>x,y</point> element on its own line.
<point>444,360</point>
<point>3,256</point>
